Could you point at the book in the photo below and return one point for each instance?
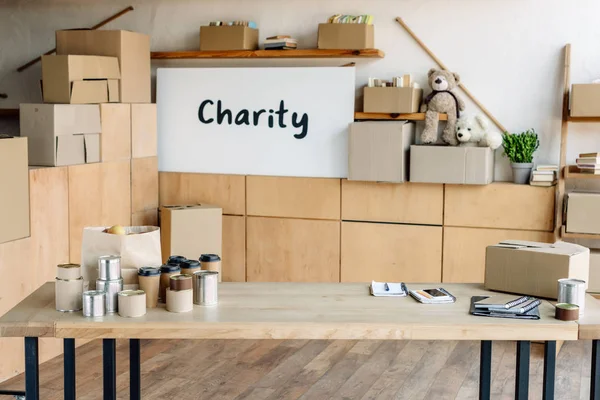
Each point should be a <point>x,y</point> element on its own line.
<point>543,172</point>
<point>279,37</point>
<point>546,168</point>
<point>284,40</point>
<point>590,171</point>
<point>588,160</point>
<point>542,178</point>
<point>504,302</point>
<point>543,184</point>
<point>588,166</point>
<point>388,289</point>
<point>432,296</point>
<point>529,310</point>
<point>587,155</point>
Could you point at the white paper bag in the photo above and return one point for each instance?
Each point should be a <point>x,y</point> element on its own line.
<point>140,249</point>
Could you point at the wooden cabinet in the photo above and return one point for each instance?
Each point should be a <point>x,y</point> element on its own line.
<point>234,249</point>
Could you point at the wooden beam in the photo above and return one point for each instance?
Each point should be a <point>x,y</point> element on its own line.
<point>398,117</point>
<point>298,53</point>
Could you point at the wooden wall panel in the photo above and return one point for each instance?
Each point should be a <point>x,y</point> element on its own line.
<point>464,250</point>
<point>144,184</point>
<point>270,196</point>
<point>413,203</point>
<point>226,191</point>
<point>292,250</point>
<point>391,252</point>
<point>234,249</point>
<point>145,218</point>
<point>500,205</point>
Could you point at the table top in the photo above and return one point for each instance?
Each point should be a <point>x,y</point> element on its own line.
<point>589,324</point>
<point>292,311</point>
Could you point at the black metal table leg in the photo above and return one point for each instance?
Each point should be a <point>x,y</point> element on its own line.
<point>32,372</point>
<point>69,368</point>
<point>485,370</point>
<point>549,370</point>
<point>109,353</point>
<point>595,387</point>
<point>522,378</point>
<point>135,373</point>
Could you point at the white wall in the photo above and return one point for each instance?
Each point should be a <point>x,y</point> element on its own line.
<point>508,52</point>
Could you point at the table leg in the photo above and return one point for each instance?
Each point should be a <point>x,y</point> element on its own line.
<point>595,387</point>
<point>109,351</point>
<point>69,368</point>
<point>135,378</point>
<point>522,378</point>
<point>32,372</point>
<point>549,370</point>
<point>485,370</point>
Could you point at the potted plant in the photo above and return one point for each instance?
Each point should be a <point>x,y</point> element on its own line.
<point>519,148</point>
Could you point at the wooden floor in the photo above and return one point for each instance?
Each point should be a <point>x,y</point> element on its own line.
<point>315,369</point>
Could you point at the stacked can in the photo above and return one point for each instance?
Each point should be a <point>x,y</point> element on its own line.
<point>69,287</point>
<point>110,281</point>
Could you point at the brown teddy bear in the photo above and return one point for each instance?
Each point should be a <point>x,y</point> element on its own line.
<point>443,99</point>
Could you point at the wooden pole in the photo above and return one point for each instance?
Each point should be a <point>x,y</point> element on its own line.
<point>98,25</point>
<point>443,66</point>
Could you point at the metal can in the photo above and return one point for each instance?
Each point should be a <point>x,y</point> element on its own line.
<point>132,303</point>
<point>68,271</point>
<point>67,294</point>
<point>205,287</point>
<point>109,268</point>
<point>94,303</point>
<point>572,291</point>
<point>112,289</point>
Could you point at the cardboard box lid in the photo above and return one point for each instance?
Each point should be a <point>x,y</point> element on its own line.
<point>81,67</point>
<point>86,92</point>
<point>190,207</point>
<point>558,248</point>
<point>69,150</point>
<point>91,143</point>
<point>59,119</point>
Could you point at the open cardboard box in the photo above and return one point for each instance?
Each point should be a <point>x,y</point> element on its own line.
<point>582,212</point>
<point>228,38</point>
<point>392,99</point>
<point>585,100</point>
<point>346,36</point>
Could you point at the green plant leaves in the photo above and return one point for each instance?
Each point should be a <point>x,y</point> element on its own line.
<point>519,147</point>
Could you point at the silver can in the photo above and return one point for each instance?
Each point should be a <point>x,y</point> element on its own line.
<point>112,289</point>
<point>94,303</point>
<point>205,287</point>
<point>109,268</point>
<point>572,291</point>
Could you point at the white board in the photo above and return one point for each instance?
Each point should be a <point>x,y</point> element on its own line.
<point>308,140</point>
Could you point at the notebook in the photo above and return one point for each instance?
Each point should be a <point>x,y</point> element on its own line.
<point>388,289</point>
<point>497,309</point>
<point>432,296</point>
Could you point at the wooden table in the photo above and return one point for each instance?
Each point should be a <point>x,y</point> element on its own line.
<point>287,311</point>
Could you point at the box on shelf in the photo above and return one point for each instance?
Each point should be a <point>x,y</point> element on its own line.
<point>392,99</point>
<point>346,36</point>
<point>594,279</point>
<point>14,180</point>
<point>191,230</point>
<point>585,100</point>
<point>532,268</point>
<point>228,38</point>
<point>80,79</point>
<point>379,151</point>
<point>131,48</point>
<point>582,212</point>
<point>143,131</point>
<point>61,134</point>
<point>451,164</point>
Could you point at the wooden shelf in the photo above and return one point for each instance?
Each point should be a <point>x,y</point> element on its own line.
<point>584,119</point>
<point>569,235</point>
<point>9,113</point>
<point>299,53</point>
<point>572,172</point>
<point>384,116</point>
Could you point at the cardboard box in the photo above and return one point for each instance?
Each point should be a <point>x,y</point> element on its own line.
<point>585,100</point>
<point>392,99</point>
<point>14,181</point>
<point>115,140</point>
<point>144,138</point>
<point>80,79</point>
<point>228,38</point>
<point>61,134</point>
<point>532,268</point>
<point>451,164</point>
<point>346,36</point>
<point>131,48</point>
<point>379,151</point>
<point>582,212</point>
<point>191,230</point>
<point>594,278</point>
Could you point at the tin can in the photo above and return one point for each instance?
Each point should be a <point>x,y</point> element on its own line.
<point>205,287</point>
<point>68,271</point>
<point>109,268</point>
<point>572,291</point>
<point>132,303</point>
<point>112,289</point>
<point>67,294</point>
<point>94,303</point>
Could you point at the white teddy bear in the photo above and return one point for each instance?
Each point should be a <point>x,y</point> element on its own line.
<point>474,129</point>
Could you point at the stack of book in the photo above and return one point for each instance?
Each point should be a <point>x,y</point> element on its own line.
<point>351,19</point>
<point>589,163</point>
<point>544,175</point>
<point>249,24</point>
<point>281,42</point>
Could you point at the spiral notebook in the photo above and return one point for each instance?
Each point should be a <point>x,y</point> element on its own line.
<point>499,307</point>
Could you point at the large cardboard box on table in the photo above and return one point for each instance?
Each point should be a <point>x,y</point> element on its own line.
<point>191,230</point>
<point>131,48</point>
<point>144,139</point>
<point>346,36</point>
<point>61,134</point>
<point>533,268</point>
<point>228,38</point>
<point>392,100</point>
<point>585,100</point>
<point>14,181</point>
<point>379,151</point>
<point>80,79</point>
<point>451,164</point>
<point>115,139</point>
<point>583,212</point>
